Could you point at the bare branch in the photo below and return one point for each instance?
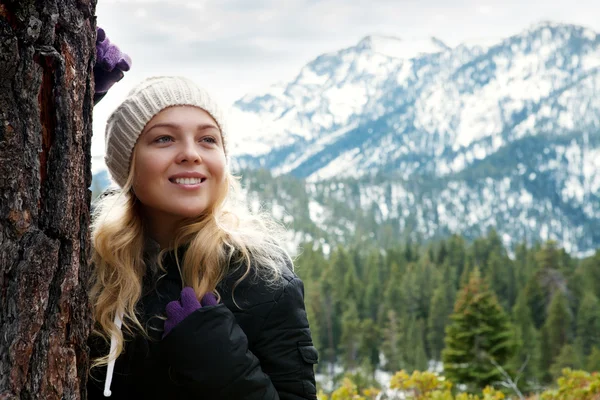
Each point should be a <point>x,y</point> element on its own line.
<point>520,371</point>
<point>508,381</point>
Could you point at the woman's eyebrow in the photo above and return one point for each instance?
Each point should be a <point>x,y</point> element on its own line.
<point>200,127</point>
<point>162,125</point>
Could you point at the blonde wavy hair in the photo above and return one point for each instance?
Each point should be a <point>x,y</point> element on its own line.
<point>226,235</point>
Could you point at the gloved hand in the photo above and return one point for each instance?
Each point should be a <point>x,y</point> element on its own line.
<point>110,66</point>
<point>178,310</point>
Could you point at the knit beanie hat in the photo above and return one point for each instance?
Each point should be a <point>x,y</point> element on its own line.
<point>143,102</point>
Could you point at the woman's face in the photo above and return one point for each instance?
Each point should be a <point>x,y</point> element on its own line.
<point>180,166</point>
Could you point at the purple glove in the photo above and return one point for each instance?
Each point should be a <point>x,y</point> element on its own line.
<point>111,63</point>
<point>178,310</point>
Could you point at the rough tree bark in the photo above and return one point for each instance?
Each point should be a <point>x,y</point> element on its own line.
<point>47,50</point>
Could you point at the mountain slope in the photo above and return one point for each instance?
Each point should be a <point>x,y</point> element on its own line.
<point>527,192</point>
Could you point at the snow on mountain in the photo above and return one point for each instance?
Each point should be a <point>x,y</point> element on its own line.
<point>403,49</point>
<point>463,103</point>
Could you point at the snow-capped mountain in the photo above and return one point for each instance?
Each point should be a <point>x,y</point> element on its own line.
<point>507,134</point>
<point>381,105</point>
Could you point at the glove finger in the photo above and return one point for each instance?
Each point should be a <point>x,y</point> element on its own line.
<point>100,34</point>
<point>105,79</point>
<point>103,45</point>
<point>189,299</point>
<point>100,53</point>
<point>111,57</point>
<point>124,63</point>
<point>101,48</point>
<point>209,299</point>
<point>173,308</point>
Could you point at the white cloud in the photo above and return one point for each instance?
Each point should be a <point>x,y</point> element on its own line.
<point>141,13</point>
<point>485,10</point>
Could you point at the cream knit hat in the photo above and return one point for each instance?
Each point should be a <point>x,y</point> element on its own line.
<point>147,99</point>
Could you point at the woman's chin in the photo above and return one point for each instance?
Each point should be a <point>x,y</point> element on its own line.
<point>190,213</point>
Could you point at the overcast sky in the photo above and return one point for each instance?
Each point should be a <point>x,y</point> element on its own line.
<point>233,47</point>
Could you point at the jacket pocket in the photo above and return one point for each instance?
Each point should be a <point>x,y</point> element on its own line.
<point>308,352</point>
<point>310,356</point>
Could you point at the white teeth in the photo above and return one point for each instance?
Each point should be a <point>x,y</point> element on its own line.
<point>188,181</point>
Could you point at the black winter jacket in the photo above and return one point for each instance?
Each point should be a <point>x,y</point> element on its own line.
<point>258,347</point>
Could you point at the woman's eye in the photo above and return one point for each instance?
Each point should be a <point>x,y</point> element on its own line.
<point>163,139</point>
<point>208,139</point>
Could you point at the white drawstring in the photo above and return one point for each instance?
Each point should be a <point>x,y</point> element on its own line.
<point>112,356</point>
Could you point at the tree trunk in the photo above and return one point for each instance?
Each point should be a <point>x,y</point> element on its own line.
<point>47,51</point>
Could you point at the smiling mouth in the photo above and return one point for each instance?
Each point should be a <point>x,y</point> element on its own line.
<point>187,181</point>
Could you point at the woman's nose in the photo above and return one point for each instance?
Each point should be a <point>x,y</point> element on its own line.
<point>189,153</point>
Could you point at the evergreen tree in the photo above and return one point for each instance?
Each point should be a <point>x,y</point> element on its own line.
<point>392,296</point>
<point>309,266</point>
<point>527,357</point>
<point>370,343</point>
<point>501,277</point>
<point>523,266</point>
<point>425,270</point>
<point>559,324</point>
<point>441,308</point>
<point>482,249</point>
<point>442,253</point>
<point>546,357</point>
<point>351,336</point>
<point>556,333</point>
<point>392,318</point>
<point>590,272</point>
<point>567,358</point>
<point>314,305</point>
<point>331,311</point>
<point>468,268</point>
<point>372,300</point>
<point>588,323</point>
<point>392,342</point>
<point>352,290</point>
<point>548,256</point>
<point>411,251</point>
<point>416,345</point>
<point>417,287</point>
<point>456,258</point>
<point>342,267</point>
<point>479,334</point>
<point>536,299</point>
<point>593,360</point>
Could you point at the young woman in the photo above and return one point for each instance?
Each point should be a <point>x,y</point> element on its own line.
<point>193,296</point>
